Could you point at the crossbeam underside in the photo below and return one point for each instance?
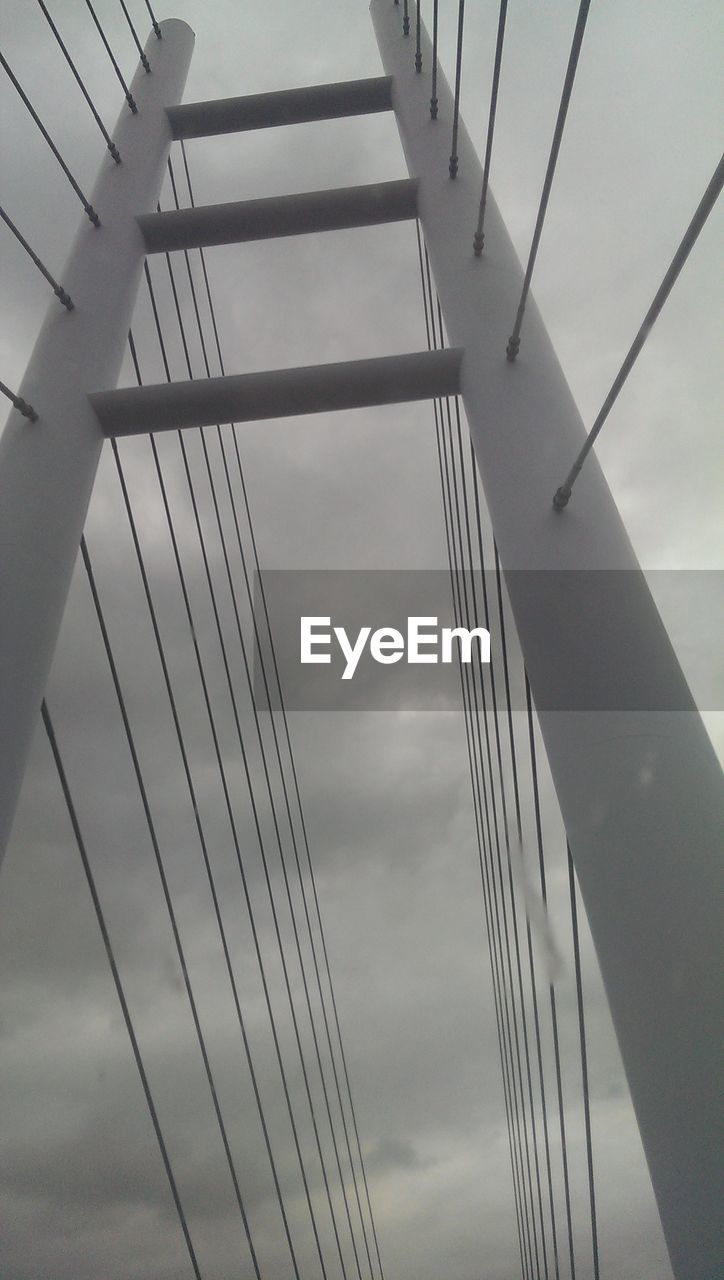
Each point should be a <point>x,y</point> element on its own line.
<point>249,397</point>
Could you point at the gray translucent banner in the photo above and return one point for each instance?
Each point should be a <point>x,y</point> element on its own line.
<point>600,602</point>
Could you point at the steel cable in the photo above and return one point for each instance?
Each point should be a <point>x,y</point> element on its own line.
<point>199,826</point>
<point>58,289</point>
<point>265,769</point>
<point>297,793</point>
<point>21,405</point>
<point>531,961</point>
<point>453,164</point>
<point>479,237</point>
<point>514,339</point>
<point>489,894</point>
<point>433,97</point>
<point>481,807</point>
<point>90,211</point>
<point>495,882</point>
<point>70,806</point>
<point>222,771</point>
<point>287,803</point>
<point>144,60</point>
<point>477,810</point>
<point>167,895</point>
<point>156,29</point>
<point>506,831</point>
<point>459,489</point>
<point>706,204</point>
<point>551,991</point>
<point>584,1063</point>
<point>479,713</point>
<point>81,85</point>
<point>126,91</point>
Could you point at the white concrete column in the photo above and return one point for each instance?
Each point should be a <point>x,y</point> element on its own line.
<point>640,791</point>
<point>47,467</point>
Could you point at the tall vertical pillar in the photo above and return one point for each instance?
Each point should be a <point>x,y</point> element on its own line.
<point>47,467</point>
<point>640,790</point>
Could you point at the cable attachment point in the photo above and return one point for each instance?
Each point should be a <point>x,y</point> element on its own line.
<point>65,298</point>
<point>131,102</point>
<point>145,63</point>
<point>418,62</point>
<point>453,166</point>
<point>478,243</point>
<point>21,405</point>
<point>561,496</point>
<point>433,108</point>
<point>26,409</point>
<point>114,152</point>
<point>512,348</point>
<point>92,214</point>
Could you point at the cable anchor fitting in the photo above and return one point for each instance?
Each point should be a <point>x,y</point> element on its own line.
<point>64,297</point>
<point>21,405</point>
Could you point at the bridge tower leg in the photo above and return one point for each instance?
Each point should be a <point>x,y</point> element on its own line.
<point>47,467</point>
<point>640,790</point>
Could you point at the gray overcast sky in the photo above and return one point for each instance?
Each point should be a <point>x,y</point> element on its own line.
<point>387,797</point>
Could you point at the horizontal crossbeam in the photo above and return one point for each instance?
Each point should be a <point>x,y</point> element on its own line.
<point>280,393</point>
<point>289,106</point>
<point>279,216</point>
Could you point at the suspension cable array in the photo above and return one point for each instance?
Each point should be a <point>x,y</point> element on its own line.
<point>290,757</point>
<point>285,1006</point>
<point>167,897</point>
<point>338,1156</point>
<point>517,1011</point>
<point>81,84</point>
<point>260,743</point>
<point>90,211</point>
<point>143,59</point>
<point>106,45</point>
<point>58,759</point>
